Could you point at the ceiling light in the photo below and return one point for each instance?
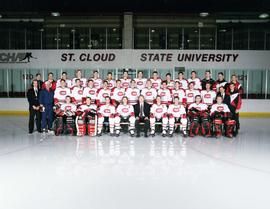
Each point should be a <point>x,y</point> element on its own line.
<point>204,14</point>
<point>263,15</point>
<point>1,16</point>
<point>153,31</point>
<point>55,14</point>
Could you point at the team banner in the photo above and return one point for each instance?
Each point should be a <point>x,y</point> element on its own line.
<point>136,59</point>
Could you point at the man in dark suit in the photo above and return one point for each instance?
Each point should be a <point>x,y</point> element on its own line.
<point>142,114</point>
<point>34,107</point>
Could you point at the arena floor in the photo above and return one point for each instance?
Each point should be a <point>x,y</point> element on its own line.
<point>131,173</point>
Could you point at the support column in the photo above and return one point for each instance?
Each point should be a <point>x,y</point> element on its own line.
<point>128,31</point>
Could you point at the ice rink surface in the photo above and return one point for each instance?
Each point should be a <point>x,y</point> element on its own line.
<point>134,173</point>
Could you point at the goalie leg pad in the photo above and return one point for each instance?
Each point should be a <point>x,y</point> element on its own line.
<point>81,127</point>
<point>58,126</point>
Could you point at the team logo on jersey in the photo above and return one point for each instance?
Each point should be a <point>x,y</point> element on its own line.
<point>176,109</point>
<point>63,93</point>
<point>68,108</point>
<point>139,83</point>
<point>162,94</point>
<point>159,110</point>
<point>80,92</point>
<point>107,111</point>
<point>175,94</point>
<point>105,95</point>
<point>120,93</point>
<point>190,94</point>
<point>92,92</point>
<point>125,84</point>
<point>125,110</point>
<point>155,85</point>
<point>96,84</point>
<point>207,96</point>
<point>220,108</point>
<point>149,93</point>
<point>133,93</point>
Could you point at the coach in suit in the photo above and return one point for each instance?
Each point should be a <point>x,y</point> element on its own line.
<point>34,107</point>
<point>142,114</point>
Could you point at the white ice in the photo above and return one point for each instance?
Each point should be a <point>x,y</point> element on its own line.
<point>129,173</point>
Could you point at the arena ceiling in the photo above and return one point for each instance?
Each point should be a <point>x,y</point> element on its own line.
<point>140,6</point>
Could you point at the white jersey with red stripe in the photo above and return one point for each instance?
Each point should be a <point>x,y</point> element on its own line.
<point>183,83</point>
<point>219,108</point>
<point>125,82</point>
<point>197,83</point>
<point>77,94</point>
<point>86,107</point>
<point>97,83</point>
<point>102,94</point>
<point>208,97</point>
<point>132,94</point>
<point>90,92</point>
<point>68,83</point>
<point>107,110</point>
<point>83,82</point>
<point>111,83</point>
<point>199,107</point>
<point>125,110</point>
<point>149,95</point>
<point>170,84</point>
<point>165,95</point>
<point>156,83</point>
<point>68,107</point>
<point>117,94</point>
<point>177,111</point>
<point>60,94</point>
<point>191,94</point>
<point>158,110</point>
<point>140,83</point>
<point>179,93</point>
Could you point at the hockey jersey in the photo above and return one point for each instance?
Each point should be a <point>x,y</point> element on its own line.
<point>84,107</point>
<point>177,111</point>
<point>158,110</point>
<point>111,84</point>
<point>219,108</point>
<point>191,94</point>
<point>156,83</point>
<point>97,83</point>
<point>140,83</point>
<point>117,94</point>
<point>132,94</point>
<point>183,83</point>
<point>90,92</point>
<point>60,94</point>
<point>125,82</point>
<point>125,110</point>
<point>170,84</point>
<point>101,94</point>
<point>208,97</point>
<point>83,81</point>
<point>68,83</point>
<point>106,110</point>
<point>165,95</point>
<point>197,83</point>
<point>68,107</point>
<point>149,95</point>
<point>179,93</point>
<point>199,107</point>
<point>218,84</point>
<point>77,94</point>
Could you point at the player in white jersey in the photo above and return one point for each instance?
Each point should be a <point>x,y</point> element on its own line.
<point>156,81</point>
<point>61,92</point>
<point>165,94</point>
<point>176,114</point>
<point>182,81</point>
<point>191,93</point>
<point>124,113</point>
<point>132,93</point>
<point>178,92</point>
<point>110,80</point>
<point>86,118</point>
<point>158,113</point>
<point>195,80</point>
<point>68,81</point>
<point>149,93</point>
<point>140,80</point>
<point>221,115</point>
<point>170,82</point>
<point>97,81</point>
<point>79,76</point>
<point>117,93</point>
<point>125,80</point>
<point>77,92</point>
<point>90,91</point>
<point>106,113</point>
<point>65,115</point>
<point>199,117</point>
<point>102,93</point>
<point>208,95</point>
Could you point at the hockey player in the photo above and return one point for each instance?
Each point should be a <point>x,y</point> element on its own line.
<point>125,80</point>
<point>178,92</point>
<point>208,95</point>
<point>102,93</point>
<point>183,82</point>
<point>237,85</point>
<point>125,113</point>
<point>198,113</point>
<point>220,82</point>
<point>207,79</point>
<point>158,113</point>
<point>140,80</point>
<point>90,91</point>
<point>170,82</point>
<point>51,80</point>
<point>64,123</point>
<point>149,93</point>
<point>195,80</point>
<point>221,115</point>
<point>79,76</point>
<point>97,81</point>
<point>156,81</point>
<point>165,94</point>
<point>110,80</point>
<point>191,93</point>
<point>132,93</point>
<point>177,114</point>
<point>86,118</point>
<point>61,92</point>
<point>77,92</point>
<point>106,113</point>
<point>64,77</point>
<point>117,93</point>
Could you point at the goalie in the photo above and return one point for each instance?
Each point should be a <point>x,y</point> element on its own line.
<point>86,120</point>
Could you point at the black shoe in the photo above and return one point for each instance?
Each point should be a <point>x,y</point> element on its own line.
<point>145,135</point>
<point>138,135</point>
<point>99,134</point>
<point>39,131</point>
<point>30,132</point>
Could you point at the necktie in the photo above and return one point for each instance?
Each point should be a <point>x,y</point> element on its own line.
<point>141,111</point>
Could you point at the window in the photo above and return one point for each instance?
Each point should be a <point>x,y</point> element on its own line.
<point>4,36</point>
<point>191,38</point>
<point>82,38</point>
<point>157,38</point>
<point>98,38</point>
<point>65,38</point>
<point>207,38</point>
<point>174,38</point>
<point>141,38</point>
<point>256,39</point>
<point>114,38</point>
<point>224,38</point>
<point>240,38</point>
<point>50,38</point>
